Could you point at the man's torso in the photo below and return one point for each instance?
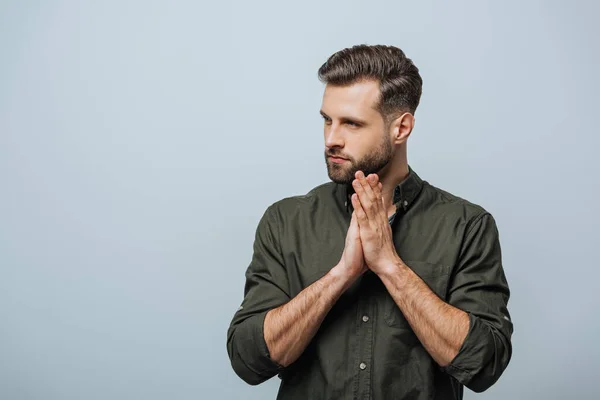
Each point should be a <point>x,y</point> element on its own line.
<point>365,347</point>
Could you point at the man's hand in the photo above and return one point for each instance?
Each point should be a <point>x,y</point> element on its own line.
<point>375,231</point>
<point>352,263</point>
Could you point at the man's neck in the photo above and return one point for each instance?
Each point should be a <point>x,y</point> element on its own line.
<point>391,178</point>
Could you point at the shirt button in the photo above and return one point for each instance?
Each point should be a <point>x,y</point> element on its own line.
<point>405,203</point>
<point>365,318</point>
<point>362,366</point>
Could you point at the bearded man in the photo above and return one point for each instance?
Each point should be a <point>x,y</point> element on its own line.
<point>376,285</point>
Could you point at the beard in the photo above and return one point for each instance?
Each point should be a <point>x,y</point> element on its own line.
<point>371,163</point>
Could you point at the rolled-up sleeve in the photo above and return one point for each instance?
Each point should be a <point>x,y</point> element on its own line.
<point>479,287</point>
<point>266,288</point>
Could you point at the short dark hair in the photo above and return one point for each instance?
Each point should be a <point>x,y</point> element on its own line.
<point>399,81</point>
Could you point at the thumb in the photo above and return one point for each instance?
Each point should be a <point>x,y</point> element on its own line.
<point>354,222</point>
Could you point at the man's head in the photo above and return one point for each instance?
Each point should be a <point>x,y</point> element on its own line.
<point>370,98</point>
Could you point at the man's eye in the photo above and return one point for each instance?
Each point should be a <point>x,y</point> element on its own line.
<point>351,123</point>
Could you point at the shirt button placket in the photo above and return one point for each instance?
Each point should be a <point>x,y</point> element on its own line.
<point>365,349</point>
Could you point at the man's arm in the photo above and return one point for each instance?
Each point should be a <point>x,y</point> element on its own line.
<point>289,328</point>
<point>271,329</point>
<point>266,288</point>
<point>469,337</point>
<point>476,356</point>
<point>440,327</point>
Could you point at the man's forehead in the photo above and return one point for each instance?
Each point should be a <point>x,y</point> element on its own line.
<point>358,97</point>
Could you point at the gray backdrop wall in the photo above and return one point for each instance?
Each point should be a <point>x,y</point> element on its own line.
<point>140,142</point>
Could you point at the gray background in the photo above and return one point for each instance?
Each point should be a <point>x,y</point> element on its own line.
<point>140,143</point>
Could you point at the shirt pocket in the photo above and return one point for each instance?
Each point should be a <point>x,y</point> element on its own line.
<point>434,275</point>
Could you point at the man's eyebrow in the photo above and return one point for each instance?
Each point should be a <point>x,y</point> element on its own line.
<point>346,119</point>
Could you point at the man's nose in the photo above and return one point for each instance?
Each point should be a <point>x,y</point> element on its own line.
<point>333,137</point>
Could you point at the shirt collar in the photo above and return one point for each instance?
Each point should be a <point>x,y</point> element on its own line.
<point>405,192</point>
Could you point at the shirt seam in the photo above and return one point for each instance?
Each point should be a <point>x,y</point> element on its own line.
<point>470,226</point>
<point>277,227</point>
<point>474,222</point>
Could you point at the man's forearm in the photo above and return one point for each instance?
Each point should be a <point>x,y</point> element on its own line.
<point>289,328</point>
<point>440,327</point>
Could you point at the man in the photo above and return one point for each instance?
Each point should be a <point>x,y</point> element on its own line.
<point>377,285</point>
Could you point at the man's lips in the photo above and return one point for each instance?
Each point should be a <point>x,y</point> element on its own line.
<point>337,160</point>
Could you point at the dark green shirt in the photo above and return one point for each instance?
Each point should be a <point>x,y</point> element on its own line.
<point>365,348</point>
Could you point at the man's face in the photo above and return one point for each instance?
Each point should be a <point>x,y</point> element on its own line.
<point>354,131</point>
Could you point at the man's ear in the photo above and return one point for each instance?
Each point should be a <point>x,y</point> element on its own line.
<point>402,127</point>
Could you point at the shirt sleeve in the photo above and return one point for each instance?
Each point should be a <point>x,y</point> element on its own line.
<point>479,287</point>
<point>266,288</point>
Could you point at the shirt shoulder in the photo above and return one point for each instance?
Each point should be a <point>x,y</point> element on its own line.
<point>319,196</point>
<point>448,204</point>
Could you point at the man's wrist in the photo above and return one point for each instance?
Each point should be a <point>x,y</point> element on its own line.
<point>393,270</point>
<point>340,275</point>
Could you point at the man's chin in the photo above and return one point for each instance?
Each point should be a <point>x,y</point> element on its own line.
<point>341,180</point>
<point>340,175</point>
